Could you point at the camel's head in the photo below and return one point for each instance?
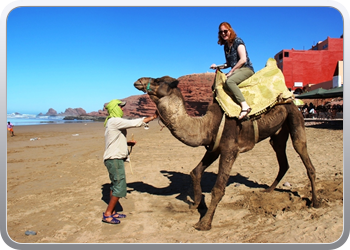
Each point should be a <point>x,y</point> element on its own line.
<point>156,88</point>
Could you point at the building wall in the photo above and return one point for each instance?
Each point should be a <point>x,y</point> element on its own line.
<point>312,66</point>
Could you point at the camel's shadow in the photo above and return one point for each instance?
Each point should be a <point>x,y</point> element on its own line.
<point>181,184</point>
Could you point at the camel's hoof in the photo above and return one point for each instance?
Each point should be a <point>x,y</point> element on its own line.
<point>201,226</point>
<point>316,204</point>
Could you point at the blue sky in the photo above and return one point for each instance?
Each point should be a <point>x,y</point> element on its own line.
<point>82,57</point>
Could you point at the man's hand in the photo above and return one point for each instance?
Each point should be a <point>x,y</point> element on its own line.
<point>131,143</point>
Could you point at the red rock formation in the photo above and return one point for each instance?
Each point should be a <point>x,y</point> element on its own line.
<point>51,111</point>
<point>73,112</point>
<point>197,92</point>
<point>195,88</point>
<point>98,113</point>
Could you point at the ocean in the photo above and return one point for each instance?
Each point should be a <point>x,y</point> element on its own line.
<point>30,119</point>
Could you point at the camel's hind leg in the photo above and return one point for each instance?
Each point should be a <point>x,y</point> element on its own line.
<point>298,135</point>
<point>197,173</point>
<point>279,143</point>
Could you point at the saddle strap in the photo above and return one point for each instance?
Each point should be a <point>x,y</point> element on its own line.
<point>219,134</point>
<point>256,131</point>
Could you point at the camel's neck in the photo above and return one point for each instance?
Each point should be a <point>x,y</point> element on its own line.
<point>193,131</point>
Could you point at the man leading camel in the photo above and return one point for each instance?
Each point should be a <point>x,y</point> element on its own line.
<point>116,152</point>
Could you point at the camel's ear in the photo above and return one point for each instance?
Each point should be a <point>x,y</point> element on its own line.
<point>172,82</point>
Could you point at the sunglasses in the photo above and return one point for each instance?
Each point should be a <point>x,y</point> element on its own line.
<point>223,32</point>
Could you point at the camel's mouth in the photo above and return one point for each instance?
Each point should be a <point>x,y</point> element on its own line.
<point>138,85</point>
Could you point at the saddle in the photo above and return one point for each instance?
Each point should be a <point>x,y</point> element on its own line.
<point>262,91</point>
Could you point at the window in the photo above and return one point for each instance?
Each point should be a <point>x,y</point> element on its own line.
<point>286,54</point>
<point>298,84</point>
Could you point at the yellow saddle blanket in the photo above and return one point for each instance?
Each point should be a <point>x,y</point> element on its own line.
<point>262,90</point>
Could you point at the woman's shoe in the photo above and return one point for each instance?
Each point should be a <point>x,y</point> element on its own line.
<point>247,111</point>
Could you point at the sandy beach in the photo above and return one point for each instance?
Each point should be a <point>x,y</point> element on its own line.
<point>58,186</point>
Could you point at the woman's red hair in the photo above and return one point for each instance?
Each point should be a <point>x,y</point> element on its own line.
<point>233,34</point>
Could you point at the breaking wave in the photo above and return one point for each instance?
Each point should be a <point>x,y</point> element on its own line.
<point>30,119</point>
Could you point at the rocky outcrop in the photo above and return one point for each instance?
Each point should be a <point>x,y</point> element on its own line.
<point>195,88</point>
<point>67,112</point>
<point>51,112</point>
<point>99,113</point>
<point>85,117</point>
<point>197,92</point>
<point>73,112</point>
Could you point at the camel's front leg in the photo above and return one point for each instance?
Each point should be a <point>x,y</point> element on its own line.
<point>197,173</point>
<point>218,191</point>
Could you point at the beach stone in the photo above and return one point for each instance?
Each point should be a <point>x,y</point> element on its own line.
<point>287,184</point>
<point>29,232</point>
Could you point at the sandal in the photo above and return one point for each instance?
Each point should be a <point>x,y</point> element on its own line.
<point>118,215</point>
<point>113,221</point>
<point>244,116</point>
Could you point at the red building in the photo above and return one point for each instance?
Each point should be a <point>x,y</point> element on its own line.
<point>320,64</point>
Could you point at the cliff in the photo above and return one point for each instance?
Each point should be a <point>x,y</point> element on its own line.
<point>67,112</point>
<point>195,88</point>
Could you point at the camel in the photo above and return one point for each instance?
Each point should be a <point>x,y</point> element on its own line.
<point>237,137</point>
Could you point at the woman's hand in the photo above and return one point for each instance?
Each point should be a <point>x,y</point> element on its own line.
<point>221,66</point>
<point>229,73</point>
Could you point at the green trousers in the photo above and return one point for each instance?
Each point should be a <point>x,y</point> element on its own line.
<point>238,76</point>
<point>116,172</point>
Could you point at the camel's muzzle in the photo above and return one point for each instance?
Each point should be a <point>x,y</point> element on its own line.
<point>139,86</point>
<point>145,87</point>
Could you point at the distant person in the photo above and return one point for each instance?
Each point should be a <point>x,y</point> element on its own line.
<point>312,112</point>
<point>311,106</point>
<point>237,58</point>
<point>116,152</point>
<point>10,128</point>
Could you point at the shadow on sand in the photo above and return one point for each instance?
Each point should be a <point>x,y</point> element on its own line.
<point>181,184</point>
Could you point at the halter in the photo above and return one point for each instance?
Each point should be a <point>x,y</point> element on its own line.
<point>148,87</point>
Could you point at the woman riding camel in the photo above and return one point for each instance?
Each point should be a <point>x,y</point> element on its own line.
<point>237,59</point>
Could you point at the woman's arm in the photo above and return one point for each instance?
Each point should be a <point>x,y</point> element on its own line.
<point>242,59</point>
